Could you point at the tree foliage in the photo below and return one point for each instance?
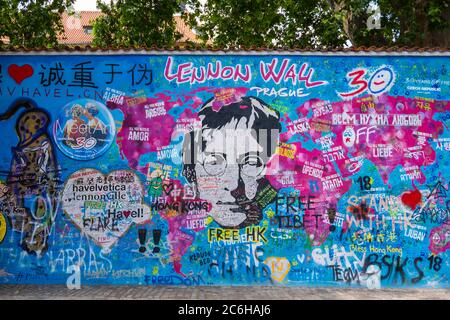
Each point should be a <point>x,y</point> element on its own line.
<point>234,23</point>
<point>137,23</point>
<point>415,23</point>
<point>321,23</point>
<point>32,23</point>
<point>237,22</point>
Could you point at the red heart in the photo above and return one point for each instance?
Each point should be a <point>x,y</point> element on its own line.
<point>126,213</point>
<point>20,73</point>
<point>412,198</point>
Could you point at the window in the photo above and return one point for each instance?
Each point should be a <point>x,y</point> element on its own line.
<point>87,29</point>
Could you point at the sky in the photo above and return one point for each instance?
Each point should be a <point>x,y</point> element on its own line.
<point>85,5</point>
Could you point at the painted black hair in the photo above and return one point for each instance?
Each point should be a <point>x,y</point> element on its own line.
<point>258,115</point>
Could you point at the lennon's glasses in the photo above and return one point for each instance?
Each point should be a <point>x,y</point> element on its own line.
<point>215,164</point>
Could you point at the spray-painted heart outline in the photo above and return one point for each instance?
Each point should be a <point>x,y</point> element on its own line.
<point>105,246</point>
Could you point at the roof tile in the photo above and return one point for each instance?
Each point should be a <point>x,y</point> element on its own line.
<point>209,48</point>
<point>74,25</point>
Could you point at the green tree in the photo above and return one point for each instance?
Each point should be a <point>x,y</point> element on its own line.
<point>137,23</point>
<point>415,22</point>
<point>32,23</point>
<point>322,23</point>
<point>237,22</point>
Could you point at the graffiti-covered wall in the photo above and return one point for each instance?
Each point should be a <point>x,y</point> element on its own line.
<point>204,168</point>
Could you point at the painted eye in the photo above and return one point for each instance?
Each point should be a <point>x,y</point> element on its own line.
<point>252,166</point>
<point>214,164</point>
<point>213,160</point>
<point>253,161</point>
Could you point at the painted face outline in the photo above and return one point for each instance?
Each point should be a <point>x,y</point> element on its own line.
<point>245,137</point>
<point>229,143</point>
<point>380,78</point>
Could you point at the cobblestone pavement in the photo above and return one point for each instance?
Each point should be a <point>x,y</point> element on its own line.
<point>59,292</point>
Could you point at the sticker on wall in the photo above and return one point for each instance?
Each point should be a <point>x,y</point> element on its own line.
<point>104,206</point>
<point>2,227</point>
<point>84,129</point>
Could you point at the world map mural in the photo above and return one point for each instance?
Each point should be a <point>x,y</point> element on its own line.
<point>206,168</point>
